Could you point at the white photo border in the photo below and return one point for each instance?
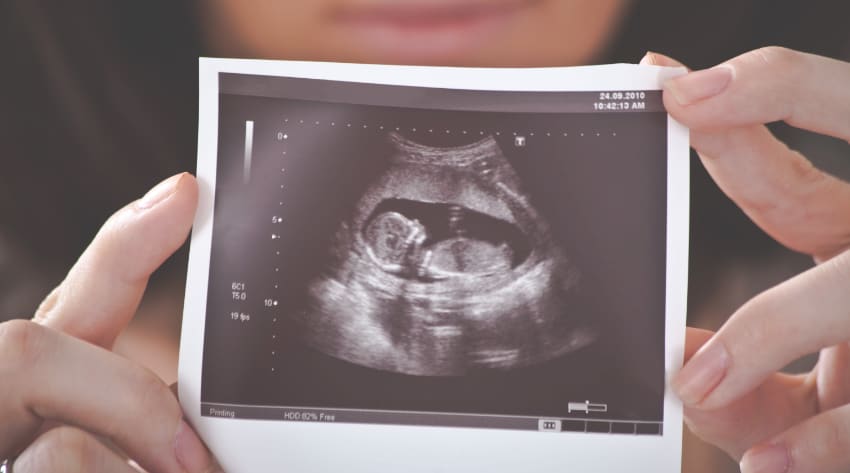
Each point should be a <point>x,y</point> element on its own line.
<point>252,445</point>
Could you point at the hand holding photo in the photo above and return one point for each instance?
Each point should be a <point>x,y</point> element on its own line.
<point>435,269</point>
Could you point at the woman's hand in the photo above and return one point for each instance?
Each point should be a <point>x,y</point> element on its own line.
<point>733,393</point>
<point>58,368</point>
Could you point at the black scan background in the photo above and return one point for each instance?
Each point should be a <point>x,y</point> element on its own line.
<point>604,198</point>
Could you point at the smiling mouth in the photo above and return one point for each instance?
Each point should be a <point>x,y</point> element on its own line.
<point>428,32</point>
<point>428,16</point>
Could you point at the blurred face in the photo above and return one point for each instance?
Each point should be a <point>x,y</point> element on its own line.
<point>439,32</point>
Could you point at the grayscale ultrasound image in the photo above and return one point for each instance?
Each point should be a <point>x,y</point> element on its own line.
<point>421,256</point>
<point>445,266</point>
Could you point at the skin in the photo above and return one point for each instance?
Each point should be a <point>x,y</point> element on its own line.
<point>69,341</point>
<point>745,407</point>
<point>499,32</point>
<point>771,421</point>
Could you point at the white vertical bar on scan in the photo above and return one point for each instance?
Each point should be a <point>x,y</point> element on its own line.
<point>249,150</point>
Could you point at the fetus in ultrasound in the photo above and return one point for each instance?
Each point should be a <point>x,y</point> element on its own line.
<point>445,268</point>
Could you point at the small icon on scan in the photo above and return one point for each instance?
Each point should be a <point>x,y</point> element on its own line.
<point>549,425</point>
<point>587,407</point>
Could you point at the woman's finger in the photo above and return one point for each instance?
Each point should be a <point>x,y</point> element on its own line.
<point>779,189</point>
<point>69,450</point>
<point>49,375</point>
<point>764,86</point>
<point>832,376</point>
<point>818,444</point>
<point>800,316</point>
<point>103,289</point>
<point>774,406</point>
<point>695,338</point>
<point>797,204</point>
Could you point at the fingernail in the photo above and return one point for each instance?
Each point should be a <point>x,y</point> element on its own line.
<point>160,192</point>
<point>701,374</point>
<point>647,59</point>
<point>766,459</point>
<point>190,451</point>
<point>700,85</point>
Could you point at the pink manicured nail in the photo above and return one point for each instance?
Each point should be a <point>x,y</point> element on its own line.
<point>702,374</point>
<point>651,59</point>
<point>766,459</point>
<point>160,192</point>
<point>647,59</point>
<point>190,451</point>
<point>700,85</point>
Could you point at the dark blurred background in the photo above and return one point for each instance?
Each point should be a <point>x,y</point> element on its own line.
<point>98,102</point>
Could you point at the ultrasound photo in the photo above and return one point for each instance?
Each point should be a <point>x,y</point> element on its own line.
<point>445,267</point>
<point>405,255</point>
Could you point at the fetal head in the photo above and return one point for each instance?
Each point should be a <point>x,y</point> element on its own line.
<point>391,236</point>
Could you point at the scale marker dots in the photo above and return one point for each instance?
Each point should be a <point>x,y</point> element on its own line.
<point>437,129</point>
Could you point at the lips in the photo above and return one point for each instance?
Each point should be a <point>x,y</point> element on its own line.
<point>426,32</point>
<point>429,16</point>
